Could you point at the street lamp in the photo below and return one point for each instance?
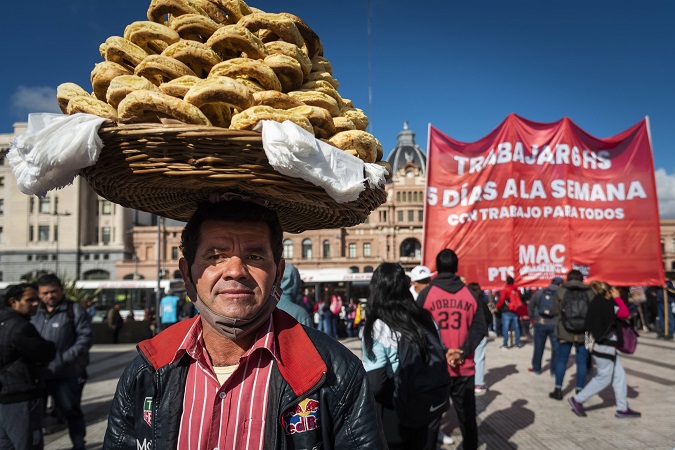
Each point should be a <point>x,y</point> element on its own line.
<point>56,237</point>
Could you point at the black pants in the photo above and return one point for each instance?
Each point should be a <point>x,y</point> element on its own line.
<point>463,399</point>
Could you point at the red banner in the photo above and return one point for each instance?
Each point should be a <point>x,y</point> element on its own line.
<point>535,200</point>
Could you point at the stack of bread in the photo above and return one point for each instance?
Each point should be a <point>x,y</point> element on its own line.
<point>221,63</point>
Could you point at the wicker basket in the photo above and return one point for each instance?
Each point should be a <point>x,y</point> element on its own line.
<point>168,169</point>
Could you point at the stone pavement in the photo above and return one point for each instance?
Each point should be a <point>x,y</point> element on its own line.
<point>516,412</point>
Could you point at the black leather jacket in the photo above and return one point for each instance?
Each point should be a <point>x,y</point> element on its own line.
<point>23,354</point>
<point>314,365</point>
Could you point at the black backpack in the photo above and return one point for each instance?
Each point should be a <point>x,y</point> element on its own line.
<point>421,388</point>
<point>545,305</point>
<point>574,309</point>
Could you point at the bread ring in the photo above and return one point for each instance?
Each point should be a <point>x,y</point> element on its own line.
<point>322,76</point>
<point>292,50</point>
<point>313,44</point>
<point>388,174</point>
<point>275,99</point>
<point>178,87</point>
<point>66,91</point>
<point>280,26</point>
<point>315,98</point>
<point>249,118</point>
<point>346,103</point>
<point>90,105</point>
<point>194,27</point>
<point>121,86</point>
<point>230,41</point>
<point>152,37</point>
<point>197,56</point>
<point>365,144</point>
<point>320,119</point>
<point>321,64</point>
<point>138,104</point>
<point>235,9</point>
<point>343,124</point>
<point>160,69</point>
<point>211,10</point>
<point>251,85</point>
<point>159,9</point>
<point>102,74</point>
<point>219,115</point>
<point>322,86</point>
<point>123,52</point>
<point>357,116</point>
<point>220,90</point>
<point>251,69</point>
<point>287,70</point>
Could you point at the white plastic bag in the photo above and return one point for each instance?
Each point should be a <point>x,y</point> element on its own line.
<point>53,150</point>
<point>295,152</point>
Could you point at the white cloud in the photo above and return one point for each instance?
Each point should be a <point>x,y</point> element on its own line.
<point>665,191</point>
<point>34,99</point>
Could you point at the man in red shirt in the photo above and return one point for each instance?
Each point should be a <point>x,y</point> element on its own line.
<point>459,317</point>
<point>241,374</point>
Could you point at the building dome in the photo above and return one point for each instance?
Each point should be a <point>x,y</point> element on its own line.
<point>407,157</point>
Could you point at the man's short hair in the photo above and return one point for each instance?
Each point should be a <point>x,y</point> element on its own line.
<point>509,279</point>
<point>446,261</point>
<point>47,279</point>
<point>231,211</point>
<point>16,291</point>
<point>575,275</point>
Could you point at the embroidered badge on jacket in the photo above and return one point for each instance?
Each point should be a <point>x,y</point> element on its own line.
<point>303,417</point>
<point>147,410</point>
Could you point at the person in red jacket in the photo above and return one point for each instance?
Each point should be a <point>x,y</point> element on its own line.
<point>509,317</point>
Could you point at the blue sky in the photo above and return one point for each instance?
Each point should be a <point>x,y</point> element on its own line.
<point>460,65</point>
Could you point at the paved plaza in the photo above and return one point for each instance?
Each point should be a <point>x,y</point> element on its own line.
<point>516,413</point>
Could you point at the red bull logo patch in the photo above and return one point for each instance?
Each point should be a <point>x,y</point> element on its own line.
<point>302,418</point>
<point>147,411</point>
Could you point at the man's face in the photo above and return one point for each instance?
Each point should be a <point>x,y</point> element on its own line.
<point>50,294</point>
<point>234,268</point>
<point>28,303</point>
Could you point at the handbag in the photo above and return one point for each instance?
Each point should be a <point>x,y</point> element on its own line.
<point>626,337</point>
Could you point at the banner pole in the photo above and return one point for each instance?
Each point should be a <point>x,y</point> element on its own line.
<point>665,310</point>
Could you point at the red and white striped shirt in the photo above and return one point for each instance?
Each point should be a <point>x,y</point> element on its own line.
<point>231,416</point>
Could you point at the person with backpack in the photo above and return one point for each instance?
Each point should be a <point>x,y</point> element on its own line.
<point>540,309</point>
<point>402,353</point>
<point>508,304</point>
<point>460,319</point>
<point>570,306</point>
<point>605,310</point>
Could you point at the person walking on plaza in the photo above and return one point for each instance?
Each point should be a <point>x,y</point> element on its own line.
<point>462,324</point>
<point>393,315</point>
<point>168,310</point>
<point>506,306</point>
<point>603,312</point>
<point>290,286</point>
<point>114,321</point>
<point>241,374</point>
<point>420,276</point>
<point>479,355</point>
<point>664,310</point>
<point>540,308</point>
<point>570,307</point>
<point>66,324</point>
<point>23,352</point>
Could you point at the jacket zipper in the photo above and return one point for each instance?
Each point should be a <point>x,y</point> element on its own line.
<point>298,399</point>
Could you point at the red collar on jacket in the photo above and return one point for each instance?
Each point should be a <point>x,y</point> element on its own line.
<point>299,362</point>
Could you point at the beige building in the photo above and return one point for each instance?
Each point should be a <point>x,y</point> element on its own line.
<point>76,233</point>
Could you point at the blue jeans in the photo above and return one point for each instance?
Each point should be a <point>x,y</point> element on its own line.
<point>661,319</point>
<point>67,395</point>
<point>541,332</point>
<point>479,360</point>
<point>510,320</point>
<point>21,425</point>
<point>564,349</point>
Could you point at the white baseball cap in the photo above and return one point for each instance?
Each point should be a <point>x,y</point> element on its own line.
<point>420,273</point>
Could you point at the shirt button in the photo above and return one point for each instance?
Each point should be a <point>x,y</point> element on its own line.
<point>221,395</point>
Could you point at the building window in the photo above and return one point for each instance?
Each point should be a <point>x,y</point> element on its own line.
<point>31,233</point>
<point>96,257</point>
<point>354,269</point>
<point>288,249</point>
<point>420,215</point>
<point>398,196</point>
<point>2,205</point>
<point>663,246</point>
<point>326,248</point>
<point>44,206</point>
<point>352,250</point>
<point>384,216</point>
<point>174,253</point>
<point>29,257</point>
<point>674,245</point>
<point>415,196</point>
<point>366,249</point>
<point>41,257</point>
<point>106,256</point>
<point>411,216</point>
<point>1,236</point>
<point>368,269</point>
<point>306,249</point>
<point>43,233</point>
<point>106,207</point>
<point>410,196</point>
<point>31,205</point>
<point>56,232</point>
<point>2,181</point>
<point>105,235</point>
<point>400,216</point>
<point>411,248</point>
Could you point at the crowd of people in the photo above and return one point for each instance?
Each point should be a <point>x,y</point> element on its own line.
<point>258,372</point>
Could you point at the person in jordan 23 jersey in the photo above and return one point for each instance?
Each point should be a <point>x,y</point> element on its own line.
<point>460,320</point>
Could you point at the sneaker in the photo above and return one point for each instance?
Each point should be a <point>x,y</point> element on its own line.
<point>556,394</point>
<point>504,347</point>
<point>627,414</point>
<point>444,439</point>
<point>531,370</point>
<point>480,390</point>
<point>577,407</point>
